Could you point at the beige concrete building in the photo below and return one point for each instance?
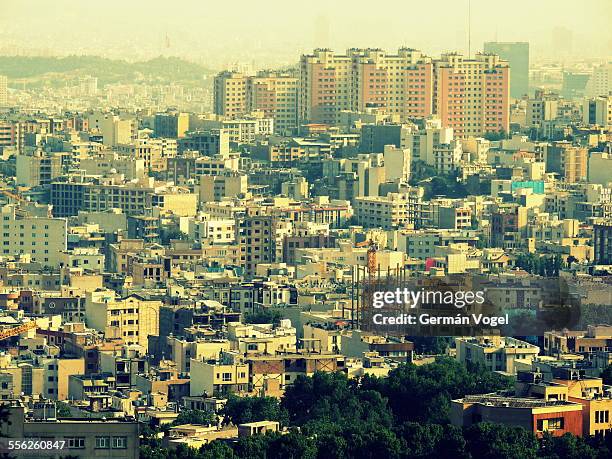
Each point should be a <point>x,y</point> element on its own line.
<point>230,89</point>
<point>88,258</point>
<point>494,352</point>
<point>132,319</point>
<point>274,94</point>
<point>37,169</point>
<point>251,339</point>
<point>226,375</point>
<point>543,107</point>
<point>104,162</point>
<point>57,374</point>
<point>84,439</point>
<point>567,160</point>
<point>42,238</point>
<point>396,210</point>
<point>599,168</point>
<point>218,187</point>
<point>154,152</point>
<point>213,231</point>
<point>397,164</point>
<point>3,91</point>
<point>114,130</point>
<point>17,377</point>
<point>76,194</point>
<point>598,111</point>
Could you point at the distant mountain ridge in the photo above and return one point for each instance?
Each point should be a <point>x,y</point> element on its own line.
<point>107,70</point>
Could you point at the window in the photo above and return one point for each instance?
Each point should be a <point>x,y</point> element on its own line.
<point>550,424</point>
<point>555,423</point>
<point>227,376</point>
<point>602,416</point>
<point>102,442</point>
<point>119,442</point>
<point>75,442</point>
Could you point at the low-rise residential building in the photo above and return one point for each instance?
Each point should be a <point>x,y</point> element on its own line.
<point>495,353</point>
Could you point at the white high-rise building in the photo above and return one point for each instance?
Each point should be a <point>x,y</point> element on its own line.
<point>600,82</point>
<point>598,111</point>
<point>3,91</point>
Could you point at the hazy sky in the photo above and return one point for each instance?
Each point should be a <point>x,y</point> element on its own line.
<point>277,31</point>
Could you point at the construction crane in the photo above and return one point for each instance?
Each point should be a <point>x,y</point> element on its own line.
<point>365,287</point>
<point>371,256</point>
<point>4,334</point>
<point>372,264</point>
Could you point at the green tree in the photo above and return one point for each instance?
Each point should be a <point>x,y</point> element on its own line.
<point>421,171</point>
<point>252,447</point>
<point>423,393</point>
<point>263,316</point>
<point>567,446</point>
<point>174,235</point>
<point>216,450</point>
<point>431,344</point>
<point>432,440</point>
<point>292,445</point>
<point>63,410</point>
<point>497,441</point>
<point>239,410</point>
<point>331,397</point>
<point>495,136</point>
<point>195,417</point>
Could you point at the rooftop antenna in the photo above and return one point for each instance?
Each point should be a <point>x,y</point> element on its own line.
<point>469,28</point>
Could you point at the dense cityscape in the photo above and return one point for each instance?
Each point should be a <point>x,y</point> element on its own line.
<point>214,259</point>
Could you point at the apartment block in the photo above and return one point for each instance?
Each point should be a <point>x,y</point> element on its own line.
<point>396,210</point>
<point>37,169</point>
<point>210,142</point>
<point>104,162</point>
<point>213,231</point>
<point>567,160</point>
<point>598,111</point>
<point>255,234</point>
<point>364,78</point>
<point>114,130</point>
<point>230,94</point>
<point>495,353</point>
<point>42,238</point>
<point>73,194</point>
<point>472,95</point>
<point>274,94</point>
<point>227,375</point>
<point>131,319</point>
<point>543,107</point>
<point>602,241</point>
<point>218,187</point>
<point>172,124</point>
<point>3,91</point>
<point>117,438</point>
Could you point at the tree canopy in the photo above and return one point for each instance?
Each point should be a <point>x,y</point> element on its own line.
<point>403,416</point>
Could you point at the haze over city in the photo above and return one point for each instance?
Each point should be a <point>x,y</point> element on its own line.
<point>274,32</point>
<point>321,230</point>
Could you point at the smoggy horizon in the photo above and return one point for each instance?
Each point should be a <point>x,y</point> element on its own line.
<point>271,33</point>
